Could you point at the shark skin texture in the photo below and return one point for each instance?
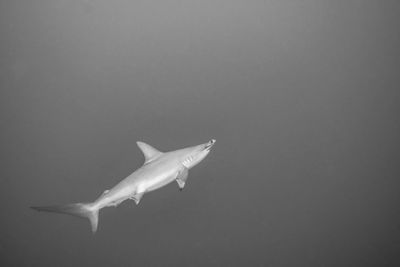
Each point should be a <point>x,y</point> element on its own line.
<point>158,170</point>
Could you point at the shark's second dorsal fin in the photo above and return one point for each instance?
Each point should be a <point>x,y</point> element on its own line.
<point>149,152</point>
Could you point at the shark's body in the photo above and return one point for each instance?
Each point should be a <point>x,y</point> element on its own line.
<point>158,170</point>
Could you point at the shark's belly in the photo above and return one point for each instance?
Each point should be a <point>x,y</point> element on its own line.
<point>145,179</point>
<point>116,195</point>
<point>156,181</point>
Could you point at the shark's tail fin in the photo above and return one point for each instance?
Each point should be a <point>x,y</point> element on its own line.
<point>82,210</point>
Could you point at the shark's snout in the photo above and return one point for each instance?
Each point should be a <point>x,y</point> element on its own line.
<point>210,144</point>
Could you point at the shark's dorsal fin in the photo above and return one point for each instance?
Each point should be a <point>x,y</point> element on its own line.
<point>149,152</point>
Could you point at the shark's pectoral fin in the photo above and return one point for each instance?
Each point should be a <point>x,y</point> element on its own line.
<point>137,197</point>
<point>182,177</point>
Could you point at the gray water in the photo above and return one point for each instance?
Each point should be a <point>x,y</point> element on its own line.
<point>301,96</point>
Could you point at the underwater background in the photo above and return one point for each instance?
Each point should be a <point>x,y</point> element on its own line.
<point>301,96</point>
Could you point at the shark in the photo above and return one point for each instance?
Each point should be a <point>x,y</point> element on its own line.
<point>158,170</point>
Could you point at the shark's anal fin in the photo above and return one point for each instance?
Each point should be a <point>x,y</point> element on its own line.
<point>182,177</point>
<point>149,152</point>
<point>137,197</point>
<point>115,203</point>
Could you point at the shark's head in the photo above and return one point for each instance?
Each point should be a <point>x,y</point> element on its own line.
<point>192,156</point>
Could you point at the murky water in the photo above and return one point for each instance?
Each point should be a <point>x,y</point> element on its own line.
<point>301,96</point>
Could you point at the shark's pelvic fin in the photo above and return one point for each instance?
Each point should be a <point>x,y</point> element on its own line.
<point>137,197</point>
<point>149,152</point>
<point>182,177</point>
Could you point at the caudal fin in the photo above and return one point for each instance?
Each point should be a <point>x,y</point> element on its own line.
<point>82,210</point>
